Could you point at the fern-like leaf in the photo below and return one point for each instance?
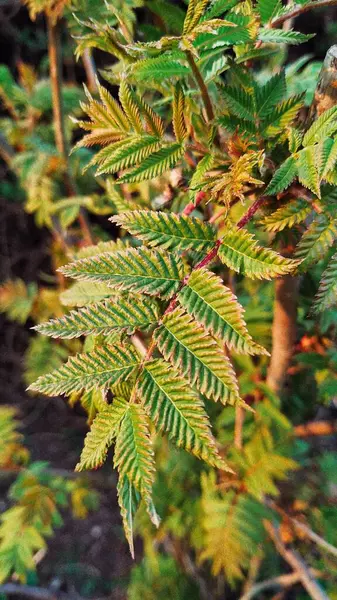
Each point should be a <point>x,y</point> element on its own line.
<point>327,291</point>
<point>283,177</point>
<point>197,356</point>
<point>288,215</point>
<point>154,272</point>
<point>127,155</point>
<point>82,293</point>
<point>324,126</point>
<point>316,241</point>
<point>134,456</point>
<point>99,439</point>
<point>307,170</point>
<point>154,165</point>
<point>167,230</point>
<point>240,251</point>
<point>179,125</point>
<point>103,318</point>
<point>128,500</point>
<point>217,309</point>
<point>176,409</point>
<point>102,368</point>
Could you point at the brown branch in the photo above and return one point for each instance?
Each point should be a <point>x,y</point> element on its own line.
<point>90,70</point>
<point>191,206</point>
<point>300,10</point>
<point>297,564</point>
<point>280,582</point>
<point>202,86</point>
<point>283,331</point>
<point>54,46</point>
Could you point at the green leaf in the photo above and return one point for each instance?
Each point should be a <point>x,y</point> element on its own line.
<point>240,102</point>
<point>326,156</point>
<point>82,293</point>
<point>134,456</point>
<point>128,155</point>
<point>167,230</point>
<point>316,241</point>
<point>198,357</point>
<point>154,272</point>
<point>218,7</point>
<point>282,116</point>
<point>214,306</point>
<point>307,170</point>
<point>324,126</point>
<point>176,409</point>
<point>130,107</point>
<point>154,165</point>
<point>159,68</point>
<point>128,500</point>
<point>103,318</point>
<point>178,118</point>
<point>290,214</point>
<point>102,368</point>
<point>268,9</point>
<point>268,95</point>
<point>102,432</point>
<point>327,291</point>
<point>283,177</point>
<point>240,251</point>
<point>279,36</point>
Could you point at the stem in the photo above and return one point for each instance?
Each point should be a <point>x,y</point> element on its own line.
<point>54,45</point>
<point>298,565</point>
<point>300,10</point>
<point>90,70</point>
<point>251,212</point>
<point>238,428</point>
<point>279,582</point>
<point>283,331</point>
<point>189,208</point>
<point>202,86</point>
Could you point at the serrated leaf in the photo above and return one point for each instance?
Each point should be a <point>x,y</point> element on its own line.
<point>268,9</point>
<point>283,177</point>
<point>327,292</point>
<point>128,155</point>
<point>167,230</point>
<point>326,156</point>
<point>282,116</point>
<point>134,456</point>
<point>176,409</point>
<point>316,241</point>
<point>324,126</point>
<point>154,272</point>
<point>240,102</point>
<point>240,251</point>
<point>82,293</point>
<point>154,165</point>
<point>294,139</point>
<point>103,318</point>
<point>280,36</point>
<point>159,68</point>
<point>194,13</point>
<point>178,118</point>
<point>214,306</point>
<point>307,170</point>
<point>102,432</point>
<point>102,368</point>
<point>198,357</point>
<point>130,107</point>
<point>268,95</point>
<point>128,500</point>
<point>290,214</point>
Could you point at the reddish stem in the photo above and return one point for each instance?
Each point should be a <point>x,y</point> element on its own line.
<point>189,208</point>
<point>251,212</point>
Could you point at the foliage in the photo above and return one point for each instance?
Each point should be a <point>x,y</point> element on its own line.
<point>215,184</point>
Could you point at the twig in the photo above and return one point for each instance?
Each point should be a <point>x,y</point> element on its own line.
<point>309,533</point>
<point>190,207</point>
<point>238,427</point>
<point>90,70</point>
<point>300,10</point>
<point>282,581</point>
<point>54,45</point>
<point>202,86</point>
<point>251,212</point>
<point>297,564</point>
